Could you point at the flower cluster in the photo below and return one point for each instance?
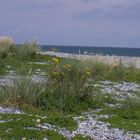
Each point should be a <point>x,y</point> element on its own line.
<point>88,72</point>
<point>55,60</point>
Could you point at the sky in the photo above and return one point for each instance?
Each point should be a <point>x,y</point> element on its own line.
<point>112,23</point>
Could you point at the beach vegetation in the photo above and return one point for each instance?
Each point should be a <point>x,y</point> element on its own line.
<point>66,88</point>
<point>28,50</point>
<point>69,90</point>
<point>7,46</point>
<point>126,117</point>
<point>21,127</point>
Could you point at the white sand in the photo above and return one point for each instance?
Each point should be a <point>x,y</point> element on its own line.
<point>111,60</point>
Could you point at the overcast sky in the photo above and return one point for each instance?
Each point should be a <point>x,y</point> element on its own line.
<point>72,22</point>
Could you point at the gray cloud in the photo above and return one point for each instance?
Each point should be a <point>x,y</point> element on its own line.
<point>76,22</point>
<point>116,11</point>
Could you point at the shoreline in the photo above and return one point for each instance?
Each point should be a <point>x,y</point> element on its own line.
<point>111,60</point>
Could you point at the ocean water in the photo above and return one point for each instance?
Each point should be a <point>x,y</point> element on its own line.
<point>94,50</point>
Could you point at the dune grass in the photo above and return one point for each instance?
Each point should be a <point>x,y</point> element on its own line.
<point>6,46</point>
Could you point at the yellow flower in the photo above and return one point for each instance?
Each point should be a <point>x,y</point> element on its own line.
<point>67,66</point>
<point>55,80</point>
<point>88,72</point>
<point>87,69</point>
<point>55,74</point>
<point>55,60</point>
<point>63,73</point>
<point>64,67</point>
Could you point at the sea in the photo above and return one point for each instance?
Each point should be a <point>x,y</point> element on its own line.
<point>132,52</point>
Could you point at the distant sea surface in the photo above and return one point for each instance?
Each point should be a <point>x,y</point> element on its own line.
<point>133,52</point>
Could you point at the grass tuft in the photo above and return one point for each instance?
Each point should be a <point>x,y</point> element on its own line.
<point>6,45</point>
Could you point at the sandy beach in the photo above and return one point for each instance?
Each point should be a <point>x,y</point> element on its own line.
<point>111,60</point>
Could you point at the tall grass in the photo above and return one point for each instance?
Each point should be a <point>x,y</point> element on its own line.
<point>117,72</point>
<point>28,50</point>
<point>6,45</point>
<point>22,92</point>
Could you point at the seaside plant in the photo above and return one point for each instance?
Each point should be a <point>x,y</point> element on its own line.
<point>23,92</point>
<point>66,90</point>
<point>22,89</point>
<point>118,71</point>
<point>6,45</point>
<point>28,50</point>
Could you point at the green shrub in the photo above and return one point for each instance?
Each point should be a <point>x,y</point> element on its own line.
<point>67,88</point>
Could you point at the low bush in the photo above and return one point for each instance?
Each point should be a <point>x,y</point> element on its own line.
<point>67,88</point>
